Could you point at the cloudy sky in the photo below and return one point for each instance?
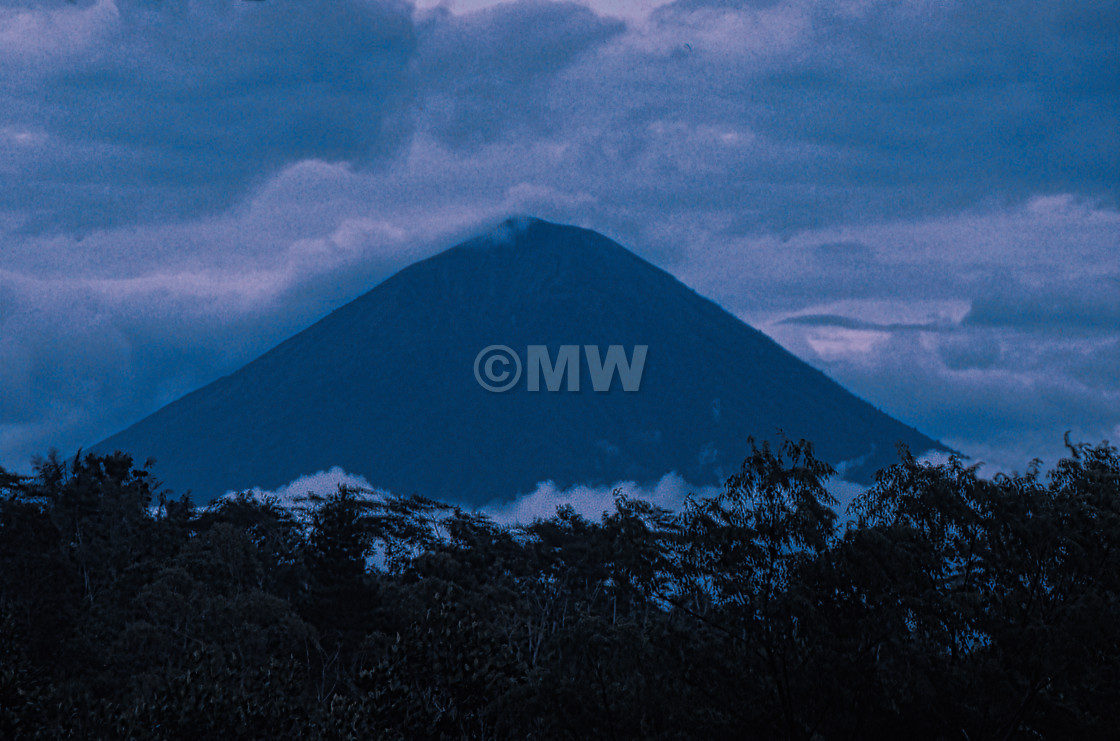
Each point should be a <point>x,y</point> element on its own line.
<point>919,197</point>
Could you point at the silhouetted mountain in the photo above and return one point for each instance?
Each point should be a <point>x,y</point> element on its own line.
<point>385,386</point>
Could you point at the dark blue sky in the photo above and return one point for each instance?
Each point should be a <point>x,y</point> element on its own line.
<point>918,197</point>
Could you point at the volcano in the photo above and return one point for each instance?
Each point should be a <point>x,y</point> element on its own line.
<point>388,387</point>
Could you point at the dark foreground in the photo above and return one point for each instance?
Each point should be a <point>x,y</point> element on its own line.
<point>949,607</point>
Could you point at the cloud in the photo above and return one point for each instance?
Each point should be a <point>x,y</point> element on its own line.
<point>929,94</point>
<point>321,484</point>
<point>910,265</point>
<point>844,322</point>
<point>670,493</point>
<point>1000,396</point>
<point>804,114</point>
<point>844,254</point>
<point>591,502</point>
<point>772,116</point>
<point>170,110</point>
<point>491,74</point>
<point>966,352</point>
<point>1091,303</point>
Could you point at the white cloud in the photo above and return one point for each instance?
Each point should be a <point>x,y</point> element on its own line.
<point>321,484</point>
<point>61,33</point>
<point>591,502</point>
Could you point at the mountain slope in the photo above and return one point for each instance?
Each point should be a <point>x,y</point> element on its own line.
<point>385,386</point>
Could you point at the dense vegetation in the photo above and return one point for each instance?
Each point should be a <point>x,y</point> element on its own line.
<point>946,606</point>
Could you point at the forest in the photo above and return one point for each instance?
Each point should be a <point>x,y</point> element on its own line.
<point>940,605</point>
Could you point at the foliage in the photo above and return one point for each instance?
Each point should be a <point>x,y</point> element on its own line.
<point>944,606</point>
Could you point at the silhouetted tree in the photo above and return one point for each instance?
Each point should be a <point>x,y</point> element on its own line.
<point>945,605</point>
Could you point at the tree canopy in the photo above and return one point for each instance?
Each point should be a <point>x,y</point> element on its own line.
<point>943,605</point>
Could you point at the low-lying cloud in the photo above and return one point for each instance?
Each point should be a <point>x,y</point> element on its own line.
<point>591,502</point>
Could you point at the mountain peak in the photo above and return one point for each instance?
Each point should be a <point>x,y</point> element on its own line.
<point>524,233</point>
<point>385,386</point>
<point>511,232</point>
